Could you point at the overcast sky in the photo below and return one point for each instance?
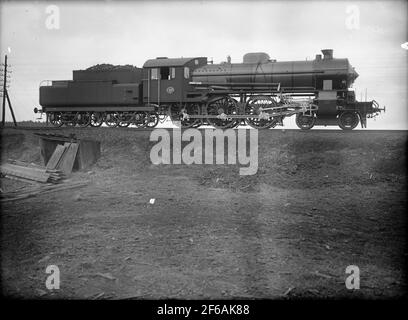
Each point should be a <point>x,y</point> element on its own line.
<point>368,33</point>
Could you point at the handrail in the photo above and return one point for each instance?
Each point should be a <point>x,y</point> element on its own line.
<point>49,83</point>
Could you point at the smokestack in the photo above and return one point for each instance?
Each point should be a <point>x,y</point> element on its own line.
<point>318,57</point>
<point>327,54</point>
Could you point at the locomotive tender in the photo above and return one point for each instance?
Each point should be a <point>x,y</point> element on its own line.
<point>259,92</point>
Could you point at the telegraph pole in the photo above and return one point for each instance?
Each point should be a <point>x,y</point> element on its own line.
<point>6,96</point>
<point>4,92</point>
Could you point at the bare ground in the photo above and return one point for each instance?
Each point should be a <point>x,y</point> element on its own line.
<point>320,201</point>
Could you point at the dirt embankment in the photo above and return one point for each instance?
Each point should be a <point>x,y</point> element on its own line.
<point>292,159</point>
<point>320,201</point>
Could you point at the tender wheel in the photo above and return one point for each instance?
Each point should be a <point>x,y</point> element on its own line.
<point>305,121</point>
<point>83,119</point>
<point>138,119</point>
<point>151,119</point>
<point>55,119</point>
<point>222,106</point>
<point>348,120</point>
<point>124,119</point>
<point>111,119</point>
<point>97,119</point>
<point>255,106</point>
<point>69,119</point>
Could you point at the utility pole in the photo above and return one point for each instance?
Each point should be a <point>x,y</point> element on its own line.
<point>6,96</point>
<point>4,92</point>
<point>11,109</point>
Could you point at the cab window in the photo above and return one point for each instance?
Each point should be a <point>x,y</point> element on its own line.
<point>186,72</point>
<point>165,73</point>
<point>173,73</point>
<point>154,74</point>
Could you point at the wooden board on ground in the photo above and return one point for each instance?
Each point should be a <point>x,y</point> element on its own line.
<point>24,172</point>
<point>56,157</point>
<point>25,164</point>
<point>44,189</point>
<point>67,162</point>
<point>32,172</point>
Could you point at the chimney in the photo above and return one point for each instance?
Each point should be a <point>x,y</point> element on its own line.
<point>318,57</point>
<point>327,54</point>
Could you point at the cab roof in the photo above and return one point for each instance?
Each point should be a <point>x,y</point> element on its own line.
<point>168,62</point>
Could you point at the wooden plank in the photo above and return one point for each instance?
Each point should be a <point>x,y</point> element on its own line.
<point>24,172</point>
<point>67,161</point>
<point>26,176</point>
<point>56,157</point>
<point>23,168</point>
<point>20,179</point>
<point>41,191</point>
<point>25,164</point>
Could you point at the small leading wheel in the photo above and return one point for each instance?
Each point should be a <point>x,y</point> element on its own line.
<point>305,121</point>
<point>348,120</point>
<point>222,107</point>
<point>255,106</point>
<point>55,119</point>
<point>83,119</point>
<point>96,119</point>
<point>183,118</point>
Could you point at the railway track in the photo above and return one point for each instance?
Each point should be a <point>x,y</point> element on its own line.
<point>51,128</point>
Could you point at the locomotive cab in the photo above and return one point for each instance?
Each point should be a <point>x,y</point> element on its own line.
<point>166,81</point>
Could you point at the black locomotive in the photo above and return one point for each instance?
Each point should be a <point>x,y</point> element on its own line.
<point>259,92</point>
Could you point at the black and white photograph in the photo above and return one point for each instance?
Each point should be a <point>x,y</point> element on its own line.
<point>215,151</point>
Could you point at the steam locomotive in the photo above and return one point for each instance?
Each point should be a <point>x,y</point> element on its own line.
<point>259,92</point>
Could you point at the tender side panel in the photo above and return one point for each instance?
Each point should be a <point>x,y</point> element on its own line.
<point>116,76</point>
<point>89,93</point>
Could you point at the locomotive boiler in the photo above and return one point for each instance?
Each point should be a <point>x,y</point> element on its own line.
<point>259,92</point>
<point>320,74</point>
